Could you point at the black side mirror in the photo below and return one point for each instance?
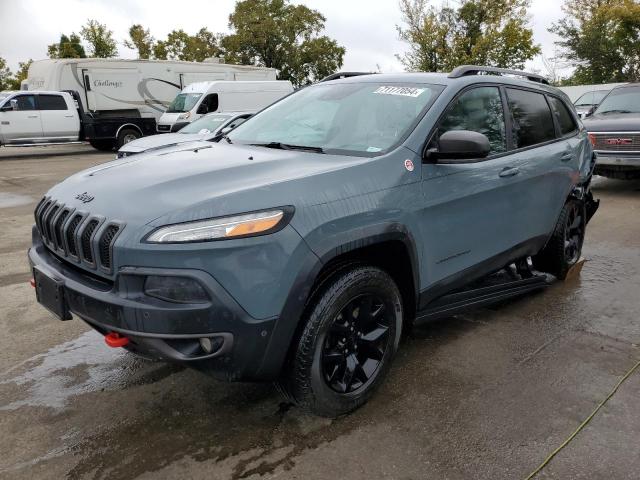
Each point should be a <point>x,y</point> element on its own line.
<point>203,109</point>
<point>460,146</point>
<point>591,111</point>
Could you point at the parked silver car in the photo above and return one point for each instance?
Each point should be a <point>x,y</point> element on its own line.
<point>206,128</point>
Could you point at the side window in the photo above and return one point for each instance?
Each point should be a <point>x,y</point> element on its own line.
<point>26,102</point>
<point>237,122</point>
<point>565,119</point>
<point>479,110</point>
<point>51,102</point>
<point>532,121</point>
<point>209,104</point>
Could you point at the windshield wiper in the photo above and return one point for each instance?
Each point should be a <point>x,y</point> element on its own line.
<point>288,146</point>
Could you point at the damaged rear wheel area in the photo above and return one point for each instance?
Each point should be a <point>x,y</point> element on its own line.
<point>564,248</point>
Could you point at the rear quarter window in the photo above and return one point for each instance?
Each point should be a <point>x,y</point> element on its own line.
<point>532,120</point>
<point>51,102</point>
<point>563,116</point>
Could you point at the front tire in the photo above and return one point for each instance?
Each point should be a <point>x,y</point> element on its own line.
<point>564,248</point>
<point>351,333</point>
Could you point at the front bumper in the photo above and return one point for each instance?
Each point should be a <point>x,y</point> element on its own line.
<point>620,159</point>
<point>161,329</point>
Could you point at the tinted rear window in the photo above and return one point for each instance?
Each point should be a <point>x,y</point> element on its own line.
<point>564,117</point>
<point>532,120</point>
<point>52,102</point>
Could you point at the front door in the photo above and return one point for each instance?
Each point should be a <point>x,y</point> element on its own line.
<point>471,212</point>
<point>23,124</point>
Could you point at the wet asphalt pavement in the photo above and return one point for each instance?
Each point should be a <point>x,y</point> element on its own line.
<point>483,395</point>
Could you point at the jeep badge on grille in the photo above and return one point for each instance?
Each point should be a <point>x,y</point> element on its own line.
<point>84,197</point>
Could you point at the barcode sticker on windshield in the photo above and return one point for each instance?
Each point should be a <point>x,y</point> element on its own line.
<point>402,91</point>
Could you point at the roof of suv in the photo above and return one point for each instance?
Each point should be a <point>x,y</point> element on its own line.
<point>446,79</point>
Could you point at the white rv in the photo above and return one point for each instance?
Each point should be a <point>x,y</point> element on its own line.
<point>114,95</point>
<point>201,98</point>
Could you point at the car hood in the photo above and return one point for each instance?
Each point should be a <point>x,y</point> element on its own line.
<point>160,141</point>
<point>618,122</point>
<point>207,180</point>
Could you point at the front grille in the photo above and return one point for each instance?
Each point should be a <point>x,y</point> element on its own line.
<point>105,244</point>
<point>75,235</point>
<point>85,240</point>
<point>617,142</point>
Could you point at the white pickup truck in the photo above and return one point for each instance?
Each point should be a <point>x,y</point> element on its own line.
<point>38,117</point>
<point>33,117</point>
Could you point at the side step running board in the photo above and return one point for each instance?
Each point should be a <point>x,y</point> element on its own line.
<point>454,303</point>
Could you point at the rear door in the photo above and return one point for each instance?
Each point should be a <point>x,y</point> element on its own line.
<point>22,125</point>
<point>59,122</point>
<point>546,161</point>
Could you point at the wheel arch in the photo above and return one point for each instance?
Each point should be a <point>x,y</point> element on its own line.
<point>393,250</point>
<point>126,125</point>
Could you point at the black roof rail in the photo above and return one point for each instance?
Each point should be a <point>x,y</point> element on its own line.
<point>465,70</point>
<point>338,75</point>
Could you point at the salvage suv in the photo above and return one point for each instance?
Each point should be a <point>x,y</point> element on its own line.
<point>301,246</point>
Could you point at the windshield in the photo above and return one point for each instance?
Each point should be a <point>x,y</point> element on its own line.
<point>591,98</point>
<point>621,100</point>
<point>206,124</point>
<point>183,102</point>
<point>344,118</point>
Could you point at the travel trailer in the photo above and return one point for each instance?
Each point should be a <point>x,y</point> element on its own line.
<point>112,93</point>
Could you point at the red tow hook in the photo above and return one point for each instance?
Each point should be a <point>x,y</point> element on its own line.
<point>115,340</point>
<point>32,282</point>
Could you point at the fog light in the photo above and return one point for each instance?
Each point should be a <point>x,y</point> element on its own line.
<point>211,345</point>
<point>175,289</point>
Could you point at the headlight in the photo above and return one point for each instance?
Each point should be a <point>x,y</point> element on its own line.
<point>237,226</point>
<point>184,116</point>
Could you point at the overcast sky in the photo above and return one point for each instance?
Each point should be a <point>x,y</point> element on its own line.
<point>367,28</point>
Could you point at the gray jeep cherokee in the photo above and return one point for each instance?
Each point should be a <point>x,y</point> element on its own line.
<point>301,246</point>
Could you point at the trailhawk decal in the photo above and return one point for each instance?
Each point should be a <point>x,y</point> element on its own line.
<point>401,91</point>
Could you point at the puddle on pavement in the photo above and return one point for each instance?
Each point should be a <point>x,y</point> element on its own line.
<point>79,366</point>
<point>8,200</point>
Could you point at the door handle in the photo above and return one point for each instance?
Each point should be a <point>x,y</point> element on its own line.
<point>68,116</point>
<point>566,156</point>
<point>509,172</point>
<point>32,116</point>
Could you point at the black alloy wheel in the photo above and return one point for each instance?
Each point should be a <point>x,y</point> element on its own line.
<point>574,233</point>
<point>356,343</point>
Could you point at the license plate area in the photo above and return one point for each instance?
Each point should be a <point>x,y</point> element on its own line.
<point>50,294</point>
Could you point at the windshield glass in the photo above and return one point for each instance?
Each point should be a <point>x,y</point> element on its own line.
<point>591,98</point>
<point>621,100</point>
<point>206,124</point>
<point>343,118</point>
<point>183,102</point>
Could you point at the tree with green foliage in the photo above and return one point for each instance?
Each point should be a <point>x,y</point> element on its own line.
<point>100,40</point>
<point>5,75</point>
<point>67,47</point>
<point>179,45</point>
<point>21,74</point>
<point>481,32</point>
<point>140,40</point>
<point>601,38</point>
<point>280,35</point>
